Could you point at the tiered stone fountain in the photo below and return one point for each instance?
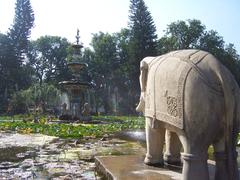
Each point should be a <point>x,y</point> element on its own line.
<point>77,89</point>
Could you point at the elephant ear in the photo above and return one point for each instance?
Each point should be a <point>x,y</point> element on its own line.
<point>144,65</point>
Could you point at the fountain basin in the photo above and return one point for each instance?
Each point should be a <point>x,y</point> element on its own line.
<point>74,84</point>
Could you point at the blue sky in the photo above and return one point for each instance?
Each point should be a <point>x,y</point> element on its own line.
<point>63,17</point>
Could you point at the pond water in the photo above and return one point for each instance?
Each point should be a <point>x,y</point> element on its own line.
<point>36,156</point>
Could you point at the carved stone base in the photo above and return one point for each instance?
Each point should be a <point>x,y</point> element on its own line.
<point>195,167</point>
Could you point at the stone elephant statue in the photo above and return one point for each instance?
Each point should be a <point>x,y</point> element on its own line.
<point>192,96</point>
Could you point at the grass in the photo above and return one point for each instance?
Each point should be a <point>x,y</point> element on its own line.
<point>116,123</point>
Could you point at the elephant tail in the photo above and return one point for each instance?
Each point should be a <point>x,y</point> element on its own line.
<point>229,88</point>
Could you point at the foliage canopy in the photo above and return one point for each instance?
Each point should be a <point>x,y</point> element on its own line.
<point>113,59</point>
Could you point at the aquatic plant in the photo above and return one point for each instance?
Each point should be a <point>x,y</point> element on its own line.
<point>69,130</point>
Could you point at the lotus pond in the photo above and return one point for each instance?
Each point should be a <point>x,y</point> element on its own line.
<point>57,150</point>
<point>98,127</point>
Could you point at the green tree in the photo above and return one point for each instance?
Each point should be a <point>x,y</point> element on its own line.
<point>45,95</point>
<point>232,60</point>
<point>193,34</point>
<point>182,35</point>
<point>37,96</point>
<point>143,42</point>
<point>96,94</point>
<point>20,31</point>
<point>102,64</point>
<point>8,67</point>
<point>47,55</point>
<point>211,41</point>
<point>109,68</point>
<point>122,73</point>
<point>17,43</point>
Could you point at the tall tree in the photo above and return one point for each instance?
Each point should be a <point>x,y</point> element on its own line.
<point>13,48</point>
<point>21,28</point>
<point>8,67</point>
<point>212,42</point>
<point>109,68</point>
<point>143,41</point>
<point>18,35</point>
<point>193,34</point>
<point>182,35</point>
<point>122,73</point>
<point>232,60</point>
<point>47,55</point>
<point>102,66</point>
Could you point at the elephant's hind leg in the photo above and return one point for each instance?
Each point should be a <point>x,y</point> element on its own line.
<point>194,161</point>
<point>155,141</point>
<point>173,148</point>
<point>221,172</point>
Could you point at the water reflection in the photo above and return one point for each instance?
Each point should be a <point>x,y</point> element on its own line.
<point>14,153</point>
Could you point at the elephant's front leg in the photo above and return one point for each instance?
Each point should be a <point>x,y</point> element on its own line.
<point>155,142</point>
<point>173,147</point>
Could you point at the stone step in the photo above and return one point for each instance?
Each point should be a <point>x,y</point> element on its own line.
<point>131,167</point>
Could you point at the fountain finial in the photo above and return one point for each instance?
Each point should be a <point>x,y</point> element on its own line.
<point>77,36</point>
